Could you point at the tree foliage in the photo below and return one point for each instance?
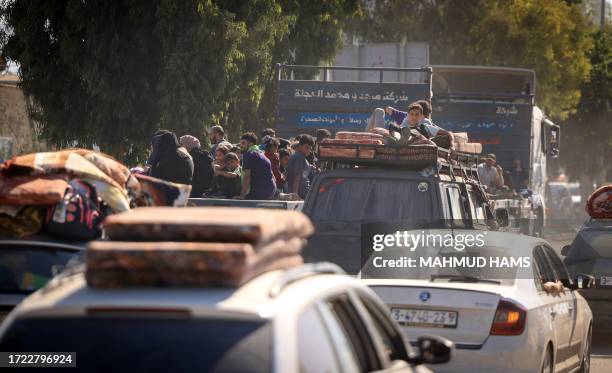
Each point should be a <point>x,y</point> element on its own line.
<point>549,36</point>
<point>587,137</point>
<point>111,72</point>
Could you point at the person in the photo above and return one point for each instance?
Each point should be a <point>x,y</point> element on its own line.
<point>271,152</point>
<point>266,134</point>
<point>490,173</point>
<point>219,162</point>
<point>217,136</point>
<point>154,147</point>
<point>228,182</point>
<point>298,168</point>
<point>202,165</point>
<point>321,134</point>
<point>257,178</point>
<point>284,143</point>
<point>520,176</point>
<point>171,163</point>
<point>283,155</point>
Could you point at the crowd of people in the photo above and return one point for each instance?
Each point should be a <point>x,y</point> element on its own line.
<point>270,168</point>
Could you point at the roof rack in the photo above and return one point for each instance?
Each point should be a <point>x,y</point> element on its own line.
<point>411,156</point>
<point>299,273</point>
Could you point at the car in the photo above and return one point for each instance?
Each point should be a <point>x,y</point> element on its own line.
<point>308,319</point>
<point>27,264</point>
<point>591,252</point>
<point>501,319</point>
<point>344,197</point>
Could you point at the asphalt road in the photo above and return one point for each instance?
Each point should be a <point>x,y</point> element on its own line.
<point>601,354</point>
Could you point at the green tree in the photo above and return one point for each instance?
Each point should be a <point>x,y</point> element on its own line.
<point>587,138</point>
<point>549,36</point>
<point>111,72</point>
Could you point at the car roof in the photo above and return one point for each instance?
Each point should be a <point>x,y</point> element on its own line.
<point>597,224</point>
<point>44,240</point>
<point>70,295</point>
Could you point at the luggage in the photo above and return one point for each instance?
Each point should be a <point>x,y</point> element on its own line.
<point>112,264</point>
<point>27,221</point>
<point>469,147</point>
<point>207,224</point>
<point>460,137</point>
<point>366,136</point>
<point>78,215</point>
<point>345,152</point>
<point>32,190</point>
<point>366,141</point>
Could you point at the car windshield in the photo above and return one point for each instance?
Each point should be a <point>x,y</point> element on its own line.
<point>148,344</point>
<point>362,199</point>
<point>26,268</point>
<point>592,244</point>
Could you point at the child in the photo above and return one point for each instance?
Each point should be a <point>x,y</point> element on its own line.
<point>227,183</point>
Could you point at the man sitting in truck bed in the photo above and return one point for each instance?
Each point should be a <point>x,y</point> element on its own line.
<point>490,173</point>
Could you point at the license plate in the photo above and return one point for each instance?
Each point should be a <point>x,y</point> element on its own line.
<point>425,318</point>
<point>605,281</point>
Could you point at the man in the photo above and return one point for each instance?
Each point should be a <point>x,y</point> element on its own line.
<point>266,134</point>
<point>520,177</point>
<point>490,173</point>
<point>202,165</point>
<point>271,152</point>
<point>298,169</point>
<point>257,178</point>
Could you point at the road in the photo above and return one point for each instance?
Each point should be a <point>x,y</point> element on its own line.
<point>601,354</point>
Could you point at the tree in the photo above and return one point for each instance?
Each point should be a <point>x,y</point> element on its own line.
<point>587,137</point>
<point>110,73</point>
<point>549,36</point>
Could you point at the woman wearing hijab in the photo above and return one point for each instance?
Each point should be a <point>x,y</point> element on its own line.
<point>202,165</point>
<point>170,162</point>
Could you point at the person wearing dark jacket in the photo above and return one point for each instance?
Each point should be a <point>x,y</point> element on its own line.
<point>202,165</point>
<point>172,163</point>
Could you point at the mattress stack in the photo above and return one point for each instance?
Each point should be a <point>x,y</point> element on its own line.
<point>195,247</point>
<point>346,145</point>
<point>461,144</point>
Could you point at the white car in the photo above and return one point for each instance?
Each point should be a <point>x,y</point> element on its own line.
<point>307,319</point>
<point>498,323</point>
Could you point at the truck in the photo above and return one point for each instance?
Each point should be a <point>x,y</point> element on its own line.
<point>494,105</point>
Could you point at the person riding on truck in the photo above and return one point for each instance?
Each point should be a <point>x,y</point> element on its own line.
<point>490,173</point>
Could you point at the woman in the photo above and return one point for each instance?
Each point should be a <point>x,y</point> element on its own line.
<point>171,163</point>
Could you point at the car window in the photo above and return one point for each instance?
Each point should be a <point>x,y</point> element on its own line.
<point>389,335</point>
<point>591,244</point>
<point>543,266</point>
<point>316,350</point>
<point>558,266</point>
<point>145,344</point>
<point>355,331</point>
<point>358,199</point>
<point>456,206</point>
<point>477,209</point>
<point>26,268</point>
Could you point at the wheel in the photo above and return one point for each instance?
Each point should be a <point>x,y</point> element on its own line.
<point>585,365</point>
<point>547,364</point>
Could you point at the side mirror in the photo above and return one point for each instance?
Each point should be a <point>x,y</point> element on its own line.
<point>565,250</point>
<point>502,218</point>
<point>433,350</point>
<point>584,281</point>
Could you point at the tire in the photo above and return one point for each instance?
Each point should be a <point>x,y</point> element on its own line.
<point>585,364</point>
<point>548,365</point>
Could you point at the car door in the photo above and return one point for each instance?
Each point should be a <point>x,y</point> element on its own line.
<point>552,306</point>
<point>569,311</point>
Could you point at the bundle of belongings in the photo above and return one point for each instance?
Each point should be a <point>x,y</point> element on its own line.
<point>380,143</point>
<point>599,204</point>
<point>68,193</point>
<point>201,246</point>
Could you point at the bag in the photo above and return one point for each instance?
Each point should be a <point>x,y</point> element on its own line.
<point>78,215</point>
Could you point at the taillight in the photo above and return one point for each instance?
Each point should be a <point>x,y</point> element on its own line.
<point>509,319</point>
